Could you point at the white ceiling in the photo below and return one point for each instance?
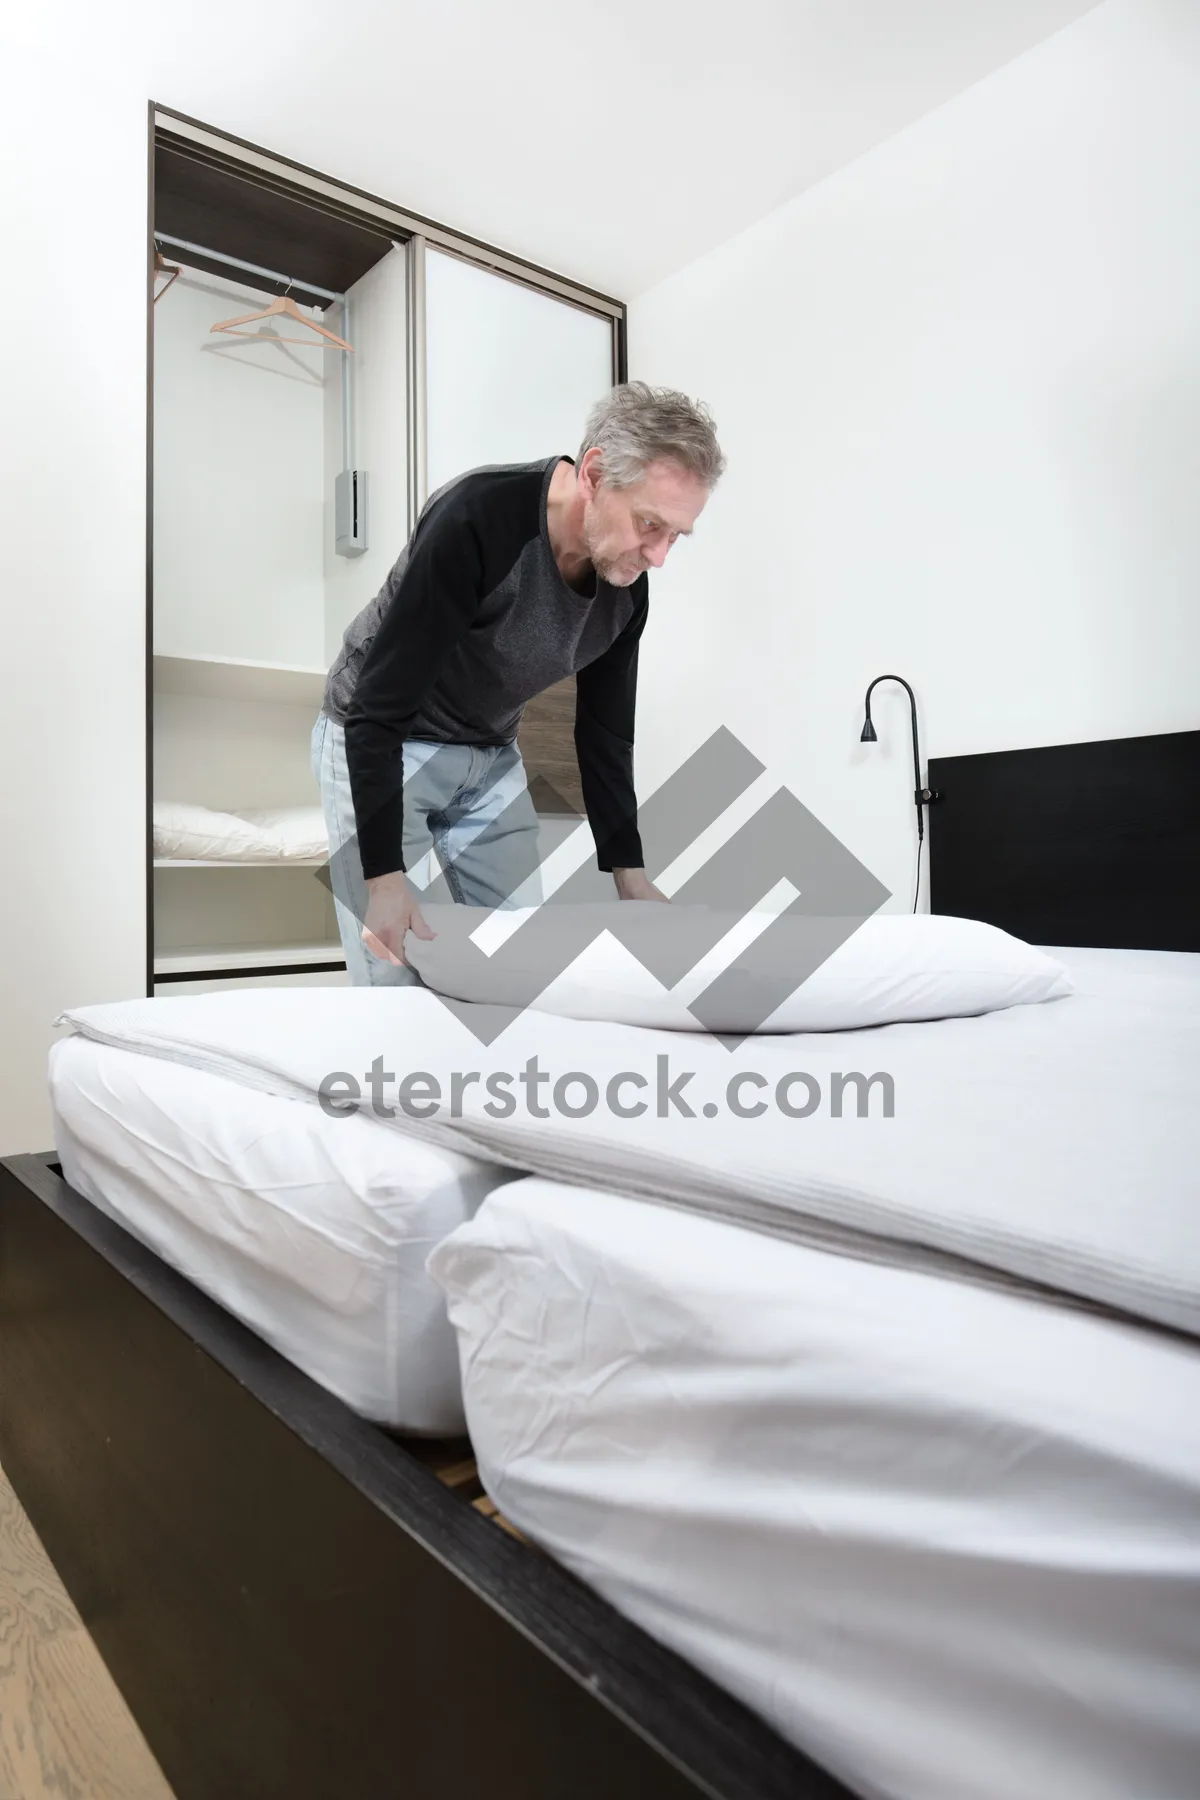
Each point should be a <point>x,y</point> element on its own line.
<point>614,140</point>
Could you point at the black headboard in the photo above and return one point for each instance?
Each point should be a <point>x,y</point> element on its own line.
<point>1087,844</point>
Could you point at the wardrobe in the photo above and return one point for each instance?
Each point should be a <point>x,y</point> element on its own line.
<point>320,360</point>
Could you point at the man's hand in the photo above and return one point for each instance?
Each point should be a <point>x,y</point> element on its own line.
<point>392,911</point>
<point>633,884</point>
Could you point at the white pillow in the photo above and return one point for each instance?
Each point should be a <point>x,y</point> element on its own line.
<point>893,968</point>
<point>198,834</point>
<point>187,832</point>
<point>290,830</point>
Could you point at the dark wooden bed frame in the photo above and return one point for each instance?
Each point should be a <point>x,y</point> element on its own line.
<point>295,1604</point>
<point>292,1602</point>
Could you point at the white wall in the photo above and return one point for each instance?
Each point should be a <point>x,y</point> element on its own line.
<point>959,388</point>
<point>239,479</point>
<point>379,387</point>
<point>72,561</point>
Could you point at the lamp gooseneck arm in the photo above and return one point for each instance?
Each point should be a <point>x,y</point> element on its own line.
<point>919,795</point>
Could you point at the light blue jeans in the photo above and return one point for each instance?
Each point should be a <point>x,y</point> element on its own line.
<point>468,805</point>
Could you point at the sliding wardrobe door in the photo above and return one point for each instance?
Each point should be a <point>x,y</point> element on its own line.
<point>510,372</point>
<point>511,375</point>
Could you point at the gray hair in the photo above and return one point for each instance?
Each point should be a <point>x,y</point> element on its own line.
<point>636,424</point>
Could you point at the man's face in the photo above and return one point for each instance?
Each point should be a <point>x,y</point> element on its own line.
<point>631,529</point>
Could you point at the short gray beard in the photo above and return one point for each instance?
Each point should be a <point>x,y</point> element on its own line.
<point>604,569</point>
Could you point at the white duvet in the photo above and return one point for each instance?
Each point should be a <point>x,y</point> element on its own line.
<point>1053,1144</point>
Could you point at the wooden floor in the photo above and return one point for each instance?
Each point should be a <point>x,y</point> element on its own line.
<point>65,1732</point>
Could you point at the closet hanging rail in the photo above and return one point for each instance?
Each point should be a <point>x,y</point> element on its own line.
<point>249,268</point>
<point>235,262</point>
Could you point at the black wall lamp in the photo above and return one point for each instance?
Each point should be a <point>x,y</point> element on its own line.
<point>922,796</point>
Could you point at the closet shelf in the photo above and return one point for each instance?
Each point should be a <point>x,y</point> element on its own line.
<point>233,678</point>
<point>203,958</point>
<point>242,862</point>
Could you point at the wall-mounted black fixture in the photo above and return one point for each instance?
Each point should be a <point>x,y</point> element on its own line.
<point>922,796</point>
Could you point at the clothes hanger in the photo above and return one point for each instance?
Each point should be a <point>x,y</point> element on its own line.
<point>163,267</point>
<point>282,306</point>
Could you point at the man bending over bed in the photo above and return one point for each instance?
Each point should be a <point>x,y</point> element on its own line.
<point>515,577</point>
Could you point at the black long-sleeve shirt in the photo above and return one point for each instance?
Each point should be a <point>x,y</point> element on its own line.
<point>473,620</point>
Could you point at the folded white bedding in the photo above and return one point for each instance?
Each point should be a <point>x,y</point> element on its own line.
<point>190,833</point>
<point>1054,1144</point>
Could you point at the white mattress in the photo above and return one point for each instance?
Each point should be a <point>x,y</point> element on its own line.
<point>313,1230</point>
<point>1051,1143</point>
<point>944,1537</point>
